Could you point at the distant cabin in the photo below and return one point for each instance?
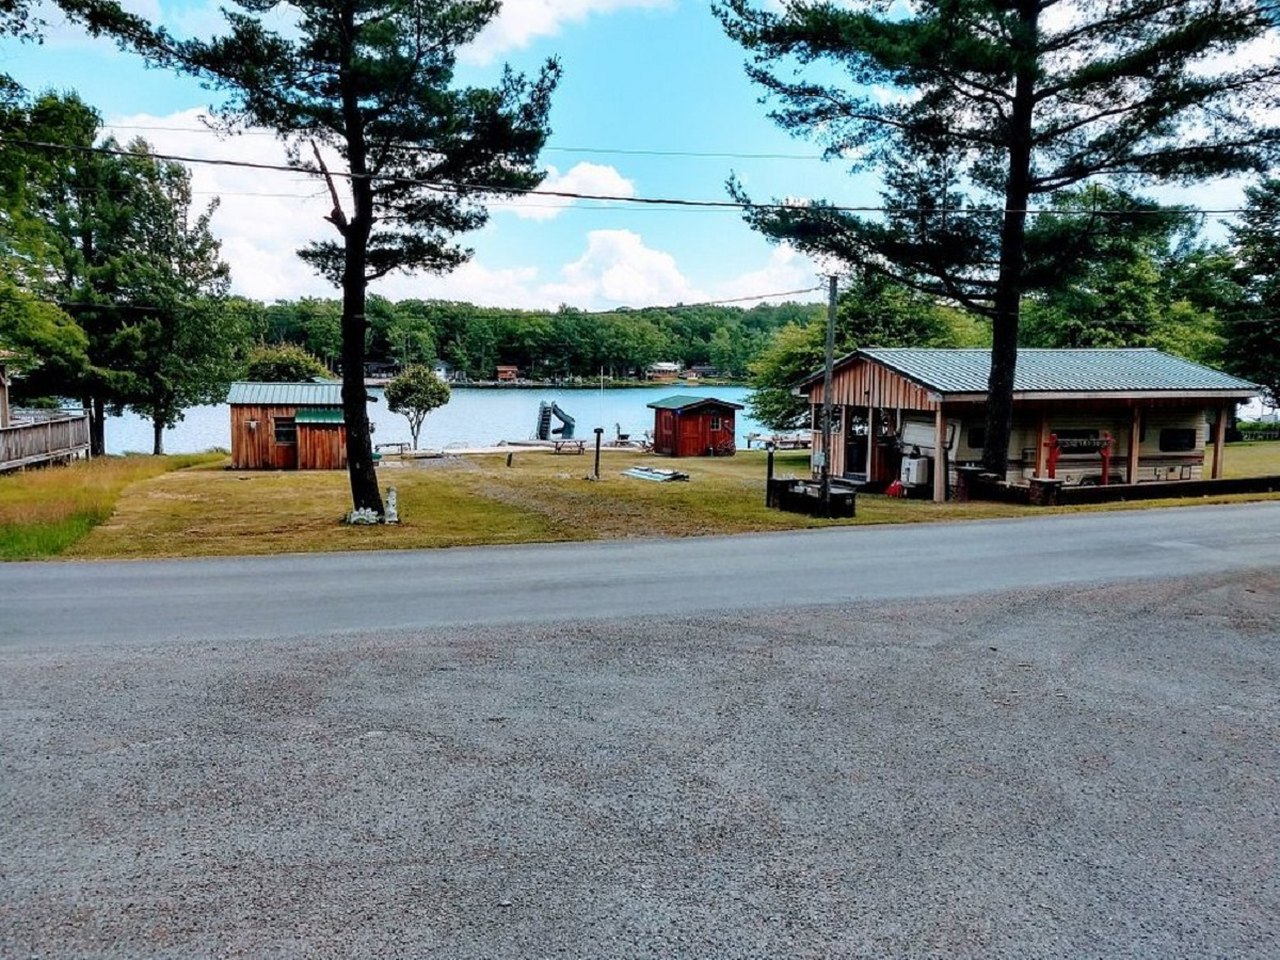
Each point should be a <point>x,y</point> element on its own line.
<point>917,415</point>
<point>694,427</point>
<point>665,371</point>
<point>287,426</point>
<point>508,374</point>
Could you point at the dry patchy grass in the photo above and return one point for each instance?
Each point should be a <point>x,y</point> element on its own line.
<point>542,497</point>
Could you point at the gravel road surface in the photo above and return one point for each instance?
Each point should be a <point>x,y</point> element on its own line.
<point>1086,771</point>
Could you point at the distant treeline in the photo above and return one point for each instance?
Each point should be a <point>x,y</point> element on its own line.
<point>559,344</point>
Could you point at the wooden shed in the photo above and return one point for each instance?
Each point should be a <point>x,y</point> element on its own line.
<point>694,427</point>
<point>1152,413</point>
<point>287,426</point>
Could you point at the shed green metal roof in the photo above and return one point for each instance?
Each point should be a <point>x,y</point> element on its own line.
<point>1095,370</point>
<point>324,415</point>
<point>323,393</point>
<point>685,403</point>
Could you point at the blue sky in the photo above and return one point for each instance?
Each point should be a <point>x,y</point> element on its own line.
<point>639,75</point>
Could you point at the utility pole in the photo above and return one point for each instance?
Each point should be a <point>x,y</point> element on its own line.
<point>826,395</point>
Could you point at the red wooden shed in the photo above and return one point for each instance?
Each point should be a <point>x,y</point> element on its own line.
<point>694,427</point>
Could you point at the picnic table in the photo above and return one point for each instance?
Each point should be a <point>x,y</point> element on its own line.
<point>569,446</point>
<point>394,447</point>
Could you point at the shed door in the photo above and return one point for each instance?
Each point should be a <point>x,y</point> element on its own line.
<point>691,443</point>
<point>286,445</point>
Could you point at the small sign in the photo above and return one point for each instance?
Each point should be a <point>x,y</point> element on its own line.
<point>392,514</point>
<point>820,458</point>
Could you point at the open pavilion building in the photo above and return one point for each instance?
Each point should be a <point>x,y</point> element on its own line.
<point>1155,415</point>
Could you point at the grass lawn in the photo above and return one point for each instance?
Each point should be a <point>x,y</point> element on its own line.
<point>44,511</point>
<point>208,510</point>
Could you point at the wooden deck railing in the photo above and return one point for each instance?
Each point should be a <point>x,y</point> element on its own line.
<point>58,437</point>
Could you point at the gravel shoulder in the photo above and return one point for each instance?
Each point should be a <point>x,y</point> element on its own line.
<point>1091,771</point>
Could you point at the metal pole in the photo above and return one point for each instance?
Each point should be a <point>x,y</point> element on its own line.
<point>768,477</point>
<point>599,431</point>
<point>826,396</point>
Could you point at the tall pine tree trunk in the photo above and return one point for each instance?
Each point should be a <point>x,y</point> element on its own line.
<point>355,408</point>
<point>1004,326</point>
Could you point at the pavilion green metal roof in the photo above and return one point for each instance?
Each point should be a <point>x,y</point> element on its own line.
<point>1097,370</point>
<point>323,393</point>
<point>685,403</point>
<point>324,415</point>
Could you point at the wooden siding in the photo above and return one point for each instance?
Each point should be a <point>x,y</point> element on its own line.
<point>865,384</point>
<point>322,446</point>
<point>254,446</point>
<point>42,441</point>
<point>690,434</point>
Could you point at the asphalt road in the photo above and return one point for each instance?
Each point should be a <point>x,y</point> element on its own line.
<point>290,596</point>
<point>1045,738</point>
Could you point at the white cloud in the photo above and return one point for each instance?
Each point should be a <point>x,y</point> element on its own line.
<point>589,178</point>
<point>786,270</point>
<point>264,216</point>
<point>522,21</point>
<point>617,269</point>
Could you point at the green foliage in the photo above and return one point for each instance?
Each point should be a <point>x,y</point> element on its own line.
<point>1252,329</point>
<point>969,106</point>
<point>415,393</point>
<point>372,80</point>
<point>282,363</point>
<point>44,339</point>
<point>873,312</point>
<point>115,241</point>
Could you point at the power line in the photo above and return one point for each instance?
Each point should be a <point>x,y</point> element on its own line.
<point>674,202</point>
<point>550,148</point>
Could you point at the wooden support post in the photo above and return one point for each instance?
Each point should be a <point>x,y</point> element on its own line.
<point>1135,441</point>
<point>871,443</point>
<point>1219,438</point>
<point>1042,452</point>
<point>939,457</point>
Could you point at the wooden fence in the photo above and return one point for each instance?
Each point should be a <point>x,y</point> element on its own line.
<point>51,438</point>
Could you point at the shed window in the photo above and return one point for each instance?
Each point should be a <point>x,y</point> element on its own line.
<point>286,430</point>
<point>715,423</point>
<point>1178,439</point>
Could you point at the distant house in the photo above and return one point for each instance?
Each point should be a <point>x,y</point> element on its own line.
<point>694,427</point>
<point>508,374</point>
<point>442,370</point>
<point>665,371</point>
<point>287,426</point>
<point>919,414</point>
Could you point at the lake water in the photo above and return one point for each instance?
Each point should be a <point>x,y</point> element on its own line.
<point>474,417</point>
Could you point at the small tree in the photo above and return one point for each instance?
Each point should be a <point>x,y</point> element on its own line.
<point>282,363</point>
<point>415,393</point>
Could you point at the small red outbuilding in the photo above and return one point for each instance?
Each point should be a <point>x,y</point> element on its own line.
<point>694,427</point>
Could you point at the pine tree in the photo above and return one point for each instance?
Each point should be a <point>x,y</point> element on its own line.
<point>371,80</point>
<point>996,105</point>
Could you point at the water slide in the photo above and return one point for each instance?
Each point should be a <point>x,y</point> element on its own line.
<point>544,430</point>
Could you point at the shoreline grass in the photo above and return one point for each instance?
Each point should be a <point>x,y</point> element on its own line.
<point>145,507</point>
